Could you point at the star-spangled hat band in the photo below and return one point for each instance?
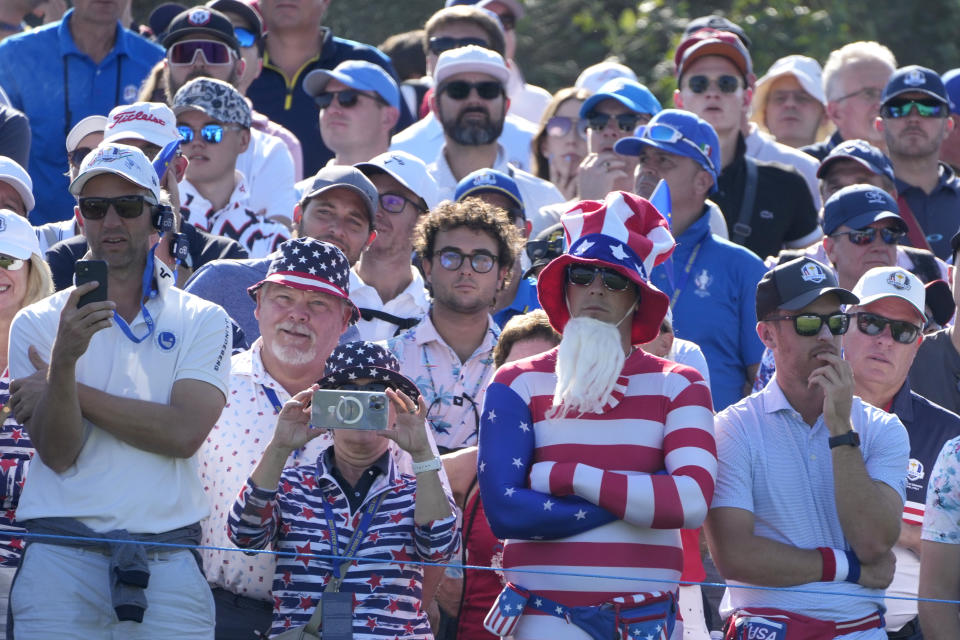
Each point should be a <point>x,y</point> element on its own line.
<point>624,233</point>
<point>362,359</point>
<point>311,265</point>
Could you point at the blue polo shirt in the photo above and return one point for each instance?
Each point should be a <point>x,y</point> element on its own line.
<point>284,101</point>
<point>43,72</point>
<point>525,300</point>
<point>715,305</point>
<point>937,212</point>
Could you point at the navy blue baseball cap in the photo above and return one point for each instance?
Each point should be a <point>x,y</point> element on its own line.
<point>679,132</point>
<point>914,79</point>
<point>629,93</point>
<point>859,151</point>
<point>356,74</point>
<point>488,181</point>
<point>951,81</point>
<point>858,206</point>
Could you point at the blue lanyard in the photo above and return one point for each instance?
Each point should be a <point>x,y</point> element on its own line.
<point>278,407</point>
<point>146,290</point>
<point>684,275</point>
<point>358,535</point>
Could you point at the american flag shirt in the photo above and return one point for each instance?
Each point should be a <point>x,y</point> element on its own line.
<point>600,493</point>
<point>16,451</point>
<point>387,590</point>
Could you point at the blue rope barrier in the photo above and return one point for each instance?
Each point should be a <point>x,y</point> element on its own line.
<point>321,556</point>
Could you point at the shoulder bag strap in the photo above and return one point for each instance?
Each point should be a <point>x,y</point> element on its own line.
<point>915,234</point>
<point>742,229</point>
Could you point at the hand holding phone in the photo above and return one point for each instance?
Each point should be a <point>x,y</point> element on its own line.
<point>89,271</point>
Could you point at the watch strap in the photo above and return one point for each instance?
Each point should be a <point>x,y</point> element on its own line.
<point>433,464</point>
<point>851,438</point>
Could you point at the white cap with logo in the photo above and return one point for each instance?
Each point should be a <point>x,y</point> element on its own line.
<point>406,169</point>
<point>18,239</point>
<point>151,122</point>
<point>121,160</point>
<point>892,282</point>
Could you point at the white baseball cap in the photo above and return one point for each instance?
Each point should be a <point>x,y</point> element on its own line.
<point>18,239</point>
<point>891,282</point>
<point>121,160</point>
<point>470,58</point>
<point>151,122</point>
<point>90,124</point>
<point>595,76</point>
<point>16,176</point>
<point>406,169</point>
<point>806,70</point>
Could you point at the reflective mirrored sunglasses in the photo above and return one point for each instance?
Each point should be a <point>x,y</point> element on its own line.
<point>668,135</point>
<point>213,52</point>
<point>394,203</point>
<point>92,208</point>
<point>625,121</point>
<point>480,261</point>
<point>925,108</point>
<point>210,133</point>
<point>347,98</point>
<point>863,237</point>
<point>245,37</point>
<point>584,275</point>
<point>725,83</point>
<point>9,263</point>
<point>902,331</point>
<point>460,89</point>
<point>440,44</point>
<point>559,126</point>
<point>809,324</point>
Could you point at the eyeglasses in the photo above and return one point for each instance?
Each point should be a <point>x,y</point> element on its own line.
<point>480,261</point>
<point>902,108</point>
<point>77,155</point>
<point>347,98</point>
<point>539,249</point>
<point>394,203</point>
<point>10,263</point>
<point>245,37</point>
<point>873,325</point>
<point>210,133</point>
<point>871,94</point>
<point>625,121</point>
<point>665,133</point>
<point>214,52</point>
<point>439,44</point>
<point>460,89</point>
<point>125,206</point>
<point>725,83</point>
<point>584,276</point>
<point>378,387</point>
<point>863,237</point>
<point>559,126</point>
<point>809,324</point>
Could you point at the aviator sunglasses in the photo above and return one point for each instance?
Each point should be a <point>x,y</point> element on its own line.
<point>864,237</point>
<point>346,98</point>
<point>584,276</point>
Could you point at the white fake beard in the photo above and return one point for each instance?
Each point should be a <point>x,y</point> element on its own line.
<point>589,361</point>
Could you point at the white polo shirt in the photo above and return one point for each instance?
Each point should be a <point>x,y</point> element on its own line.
<point>268,167</point>
<point>112,484</point>
<point>412,302</point>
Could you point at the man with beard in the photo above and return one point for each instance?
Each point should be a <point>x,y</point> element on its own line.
<point>602,449</point>
<point>468,249</point>
<point>470,101</point>
<point>202,43</point>
<point>915,121</point>
<point>811,481</point>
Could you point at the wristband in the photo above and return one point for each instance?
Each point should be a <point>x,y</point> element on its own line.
<point>839,565</point>
<point>433,464</point>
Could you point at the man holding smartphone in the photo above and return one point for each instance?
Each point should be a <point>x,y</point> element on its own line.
<point>134,385</point>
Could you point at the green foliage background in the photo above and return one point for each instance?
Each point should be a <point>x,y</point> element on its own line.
<point>560,37</point>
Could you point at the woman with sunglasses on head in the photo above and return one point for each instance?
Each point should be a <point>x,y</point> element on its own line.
<point>24,279</point>
<point>561,141</point>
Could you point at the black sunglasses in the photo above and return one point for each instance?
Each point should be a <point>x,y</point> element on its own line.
<point>439,44</point>
<point>625,121</point>
<point>480,261</point>
<point>726,83</point>
<point>347,98</point>
<point>863,237</point>
<point>394,203</point>
<point>77,155</point>
<point>125,206</point>
<point>539,249</point>
<point>925,108</point>
<point>809,324</point>
<point>584,276</point>
<point>460,89</point>
<point>902,331</point>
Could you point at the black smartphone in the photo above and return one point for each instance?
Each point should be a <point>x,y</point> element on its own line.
<point>88,271</point>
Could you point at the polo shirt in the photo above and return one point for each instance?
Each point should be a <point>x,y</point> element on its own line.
<point>783,212</point>
<point>268,167</point>
<point>526,300</point>
<point>929,426</point>
<point>412,302</point>
<point>763,146</point>
<point>780,469</point>
<point>42,72</point>
<point>715,305</point>
<point>284,101</point>
<point>935,373</point>
<point>113,484</point>
<point>937,212</point>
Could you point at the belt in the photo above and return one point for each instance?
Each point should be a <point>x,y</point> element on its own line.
<point>239,601</point>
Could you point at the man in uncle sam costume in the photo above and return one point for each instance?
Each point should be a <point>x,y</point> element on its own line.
<point>595,454</point>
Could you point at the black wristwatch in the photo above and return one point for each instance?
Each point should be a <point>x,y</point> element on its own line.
<point>851,438</point>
